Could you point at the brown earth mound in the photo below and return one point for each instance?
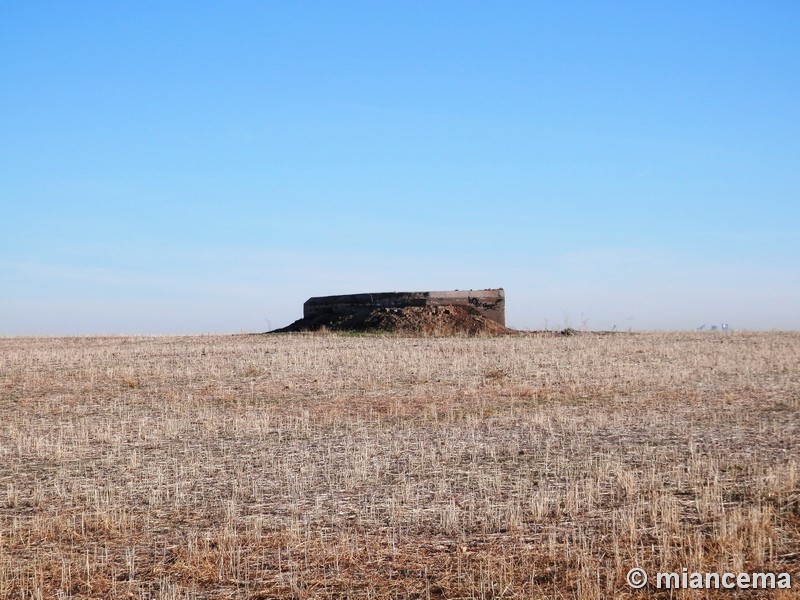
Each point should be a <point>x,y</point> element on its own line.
<point>415,320</point>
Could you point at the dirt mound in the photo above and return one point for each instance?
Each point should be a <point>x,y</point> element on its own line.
<point>414,320</point>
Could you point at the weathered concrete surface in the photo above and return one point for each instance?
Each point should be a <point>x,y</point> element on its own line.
<point>488,303</point>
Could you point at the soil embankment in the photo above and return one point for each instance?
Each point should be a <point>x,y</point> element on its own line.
<point>419,320</point>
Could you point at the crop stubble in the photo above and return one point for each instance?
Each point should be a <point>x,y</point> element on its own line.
<point>380,466</point>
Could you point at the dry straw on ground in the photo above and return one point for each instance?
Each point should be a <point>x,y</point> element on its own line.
<point>325,466</point>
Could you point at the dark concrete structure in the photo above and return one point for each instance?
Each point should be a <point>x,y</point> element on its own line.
<point>488,303</point>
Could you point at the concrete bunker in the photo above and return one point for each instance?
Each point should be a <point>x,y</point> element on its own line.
<point>490,303</point>
<point>453,312</point>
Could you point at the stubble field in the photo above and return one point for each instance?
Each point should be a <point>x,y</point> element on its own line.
<point>325,466</point>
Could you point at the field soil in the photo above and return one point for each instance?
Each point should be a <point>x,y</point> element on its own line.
<point>387,466</point>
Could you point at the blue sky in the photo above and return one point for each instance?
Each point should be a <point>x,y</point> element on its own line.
<point>191,167</point>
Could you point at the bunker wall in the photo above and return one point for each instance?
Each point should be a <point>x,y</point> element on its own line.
<point>488,303</point>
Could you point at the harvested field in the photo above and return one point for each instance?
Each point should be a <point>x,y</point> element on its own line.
<point>341,466</point>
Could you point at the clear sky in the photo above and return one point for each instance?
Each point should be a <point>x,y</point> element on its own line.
<point>191,167</point>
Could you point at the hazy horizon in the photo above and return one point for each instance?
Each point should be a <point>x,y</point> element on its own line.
<point>178,168</point>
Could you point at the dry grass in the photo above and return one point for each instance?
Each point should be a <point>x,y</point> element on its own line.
<point>324,466</point>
